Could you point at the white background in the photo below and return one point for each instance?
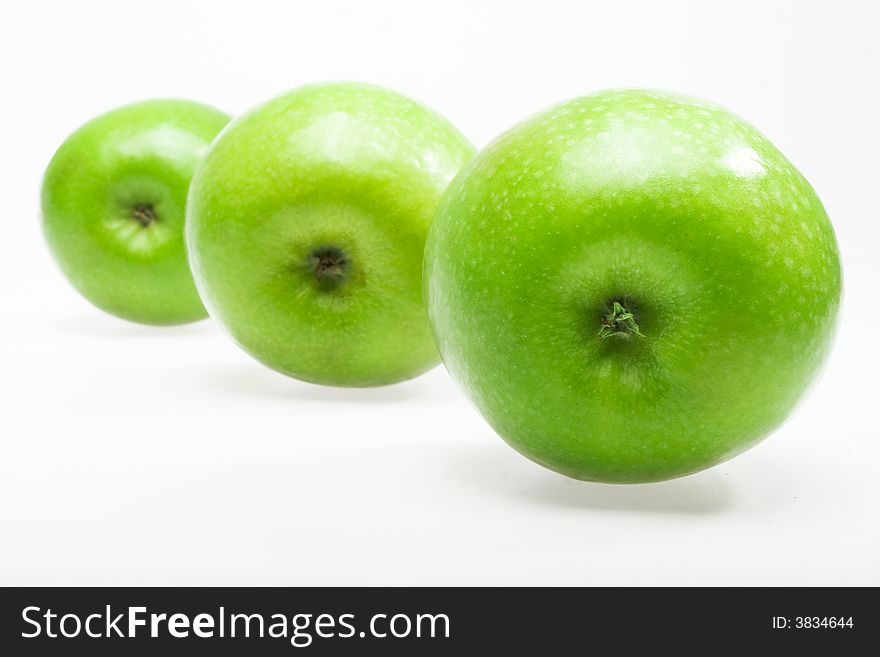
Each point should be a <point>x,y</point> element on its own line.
<point>135,455</point>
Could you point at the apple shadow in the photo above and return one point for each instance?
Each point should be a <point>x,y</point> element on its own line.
<point>706,493</point>
<point>499,471</point>
<point>101,325</point>
<point>253,380</point>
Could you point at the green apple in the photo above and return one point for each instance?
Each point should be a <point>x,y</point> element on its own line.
<point>306,228</point>
<point>114,198</point>
<point>632,286</point>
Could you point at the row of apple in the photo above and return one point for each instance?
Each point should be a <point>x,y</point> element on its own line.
<point>630,286</point>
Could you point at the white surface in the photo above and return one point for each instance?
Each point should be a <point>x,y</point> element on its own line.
<point>131,455</point>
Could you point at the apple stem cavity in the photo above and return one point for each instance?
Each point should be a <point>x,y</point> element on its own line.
<point>619,321</point>
<point>331,266</point>
<point>144,214</point>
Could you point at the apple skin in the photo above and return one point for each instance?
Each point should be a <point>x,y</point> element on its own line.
<point>689,218</point>
<point>113,207</point>
<point>338,170</point>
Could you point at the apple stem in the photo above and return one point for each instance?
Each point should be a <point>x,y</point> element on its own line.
<point>619,321</point>
<point>330,266</point>
<point>144,214</point>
